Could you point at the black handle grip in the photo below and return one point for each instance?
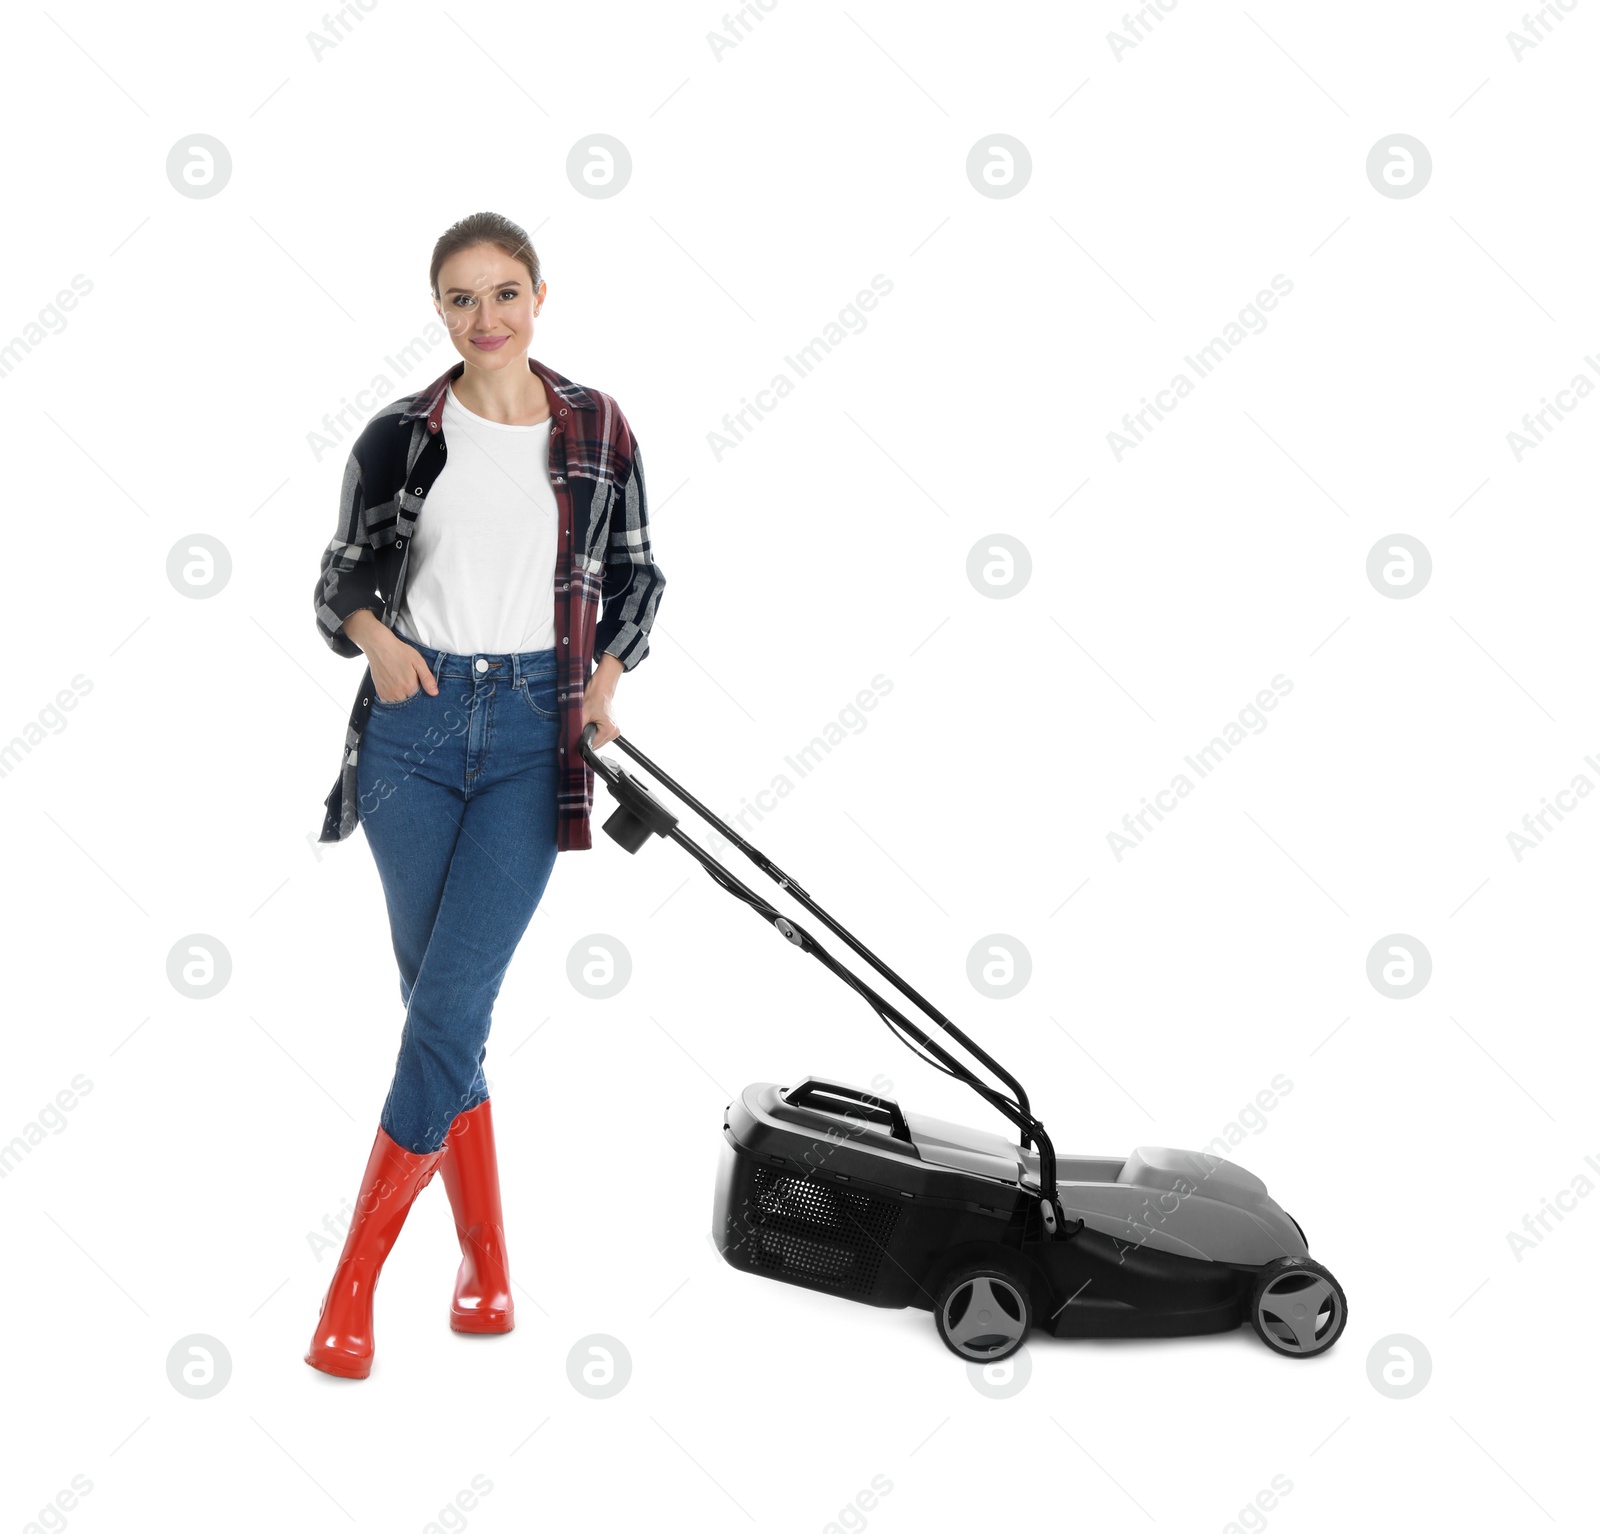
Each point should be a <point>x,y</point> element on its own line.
<point>852,1102</point>
<point>639,815</point>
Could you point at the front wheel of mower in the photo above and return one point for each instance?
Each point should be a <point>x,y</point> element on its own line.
<point>1297,1307</point>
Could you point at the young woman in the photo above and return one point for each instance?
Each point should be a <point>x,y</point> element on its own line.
<point>480,619</point>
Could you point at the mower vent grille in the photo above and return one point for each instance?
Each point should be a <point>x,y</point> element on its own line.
<point>817,1232</point>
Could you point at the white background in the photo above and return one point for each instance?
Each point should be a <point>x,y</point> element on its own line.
<point>183,794</point>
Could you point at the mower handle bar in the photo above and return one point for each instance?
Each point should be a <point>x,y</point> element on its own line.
<point>647,815</point>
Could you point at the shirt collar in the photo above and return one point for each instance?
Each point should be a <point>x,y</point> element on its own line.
<point>428,403</point>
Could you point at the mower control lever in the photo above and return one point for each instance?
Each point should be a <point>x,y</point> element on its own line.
<point>639,815</point>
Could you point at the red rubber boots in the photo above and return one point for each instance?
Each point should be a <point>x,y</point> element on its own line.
<point>394,1176</point>
<point>471,1176</point>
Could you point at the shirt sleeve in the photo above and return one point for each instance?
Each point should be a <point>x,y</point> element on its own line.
<point>347,580</point>
<point>632,582</point>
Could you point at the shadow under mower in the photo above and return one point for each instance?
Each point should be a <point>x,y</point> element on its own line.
<point>829,1186</point>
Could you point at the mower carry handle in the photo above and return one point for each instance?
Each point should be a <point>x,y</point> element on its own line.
<point>857,1104</point>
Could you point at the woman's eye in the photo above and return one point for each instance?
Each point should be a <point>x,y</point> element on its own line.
<point>509,293</point>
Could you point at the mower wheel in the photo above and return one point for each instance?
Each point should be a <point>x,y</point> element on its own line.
<point>1297,1307</point>
<point>983,1311</point>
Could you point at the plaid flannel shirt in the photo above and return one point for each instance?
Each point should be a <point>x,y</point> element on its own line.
<point>607,585</point>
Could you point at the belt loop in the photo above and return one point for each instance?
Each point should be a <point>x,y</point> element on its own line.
<point>516,669</point>
<point>438,665</point>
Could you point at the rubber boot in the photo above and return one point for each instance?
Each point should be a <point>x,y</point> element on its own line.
<point>394,1176</point>
<point>471,1176</point>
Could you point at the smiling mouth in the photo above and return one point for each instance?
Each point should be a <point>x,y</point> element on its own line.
<point>489,341</point>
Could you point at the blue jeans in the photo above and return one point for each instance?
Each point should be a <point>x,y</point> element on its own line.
<point>457,795</point>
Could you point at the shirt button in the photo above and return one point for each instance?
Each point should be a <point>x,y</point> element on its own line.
<point>563,639</point>
<point>483,665</point>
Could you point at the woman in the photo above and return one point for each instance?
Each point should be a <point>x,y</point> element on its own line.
<point>479,622</point>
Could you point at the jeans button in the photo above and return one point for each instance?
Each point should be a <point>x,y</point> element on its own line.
<point>483,665</point>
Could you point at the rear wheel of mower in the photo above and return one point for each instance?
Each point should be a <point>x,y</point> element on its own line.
<point>983,1311</point>
<point>1297,1307</point>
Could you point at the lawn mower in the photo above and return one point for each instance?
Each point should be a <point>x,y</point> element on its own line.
<point>828,1185</point>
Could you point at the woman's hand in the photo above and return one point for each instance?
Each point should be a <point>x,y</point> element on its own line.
<point>597,702</point>
<point>398,668</point>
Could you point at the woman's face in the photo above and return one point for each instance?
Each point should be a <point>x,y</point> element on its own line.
<point>487,301</point>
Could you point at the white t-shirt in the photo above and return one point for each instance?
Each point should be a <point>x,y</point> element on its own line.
<point>483,559</point>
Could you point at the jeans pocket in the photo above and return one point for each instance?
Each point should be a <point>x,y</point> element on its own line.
<point>378,702</point>
<point>540,691</point>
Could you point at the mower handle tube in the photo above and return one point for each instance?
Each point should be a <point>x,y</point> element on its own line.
<point>768,867</point>
<point>803,940</point>
<point>666,825</point>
